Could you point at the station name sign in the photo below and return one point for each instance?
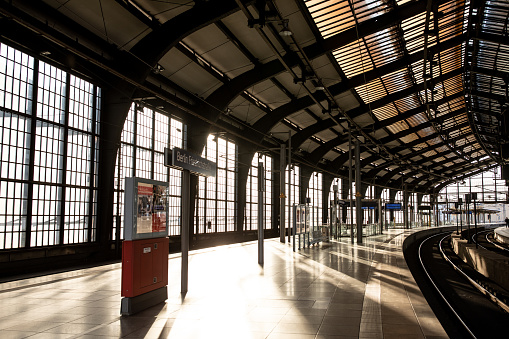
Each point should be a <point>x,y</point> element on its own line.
<point>182,159</point>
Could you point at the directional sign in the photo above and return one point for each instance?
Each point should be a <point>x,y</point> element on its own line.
<point>396,206</point>
<point>183,159</point>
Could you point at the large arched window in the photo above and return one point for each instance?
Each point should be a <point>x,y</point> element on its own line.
<point>215,210</point>
<point>492,194</point>
<point>398,217</point>
<point>145,134</point>
<point>370,192</point>
<point>292,192</point>
<point>251,217</point>
<point>49,135</point>
<point>335,182</point>
<point>314,192</point>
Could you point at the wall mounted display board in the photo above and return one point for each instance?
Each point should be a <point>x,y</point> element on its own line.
<point>145,209</point>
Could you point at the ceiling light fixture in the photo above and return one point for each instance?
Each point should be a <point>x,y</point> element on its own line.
<point>158,69</point>
<point>285,31</point>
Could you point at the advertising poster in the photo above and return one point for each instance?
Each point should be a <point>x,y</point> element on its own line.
<point>151,216</point>
<point>159,209</point>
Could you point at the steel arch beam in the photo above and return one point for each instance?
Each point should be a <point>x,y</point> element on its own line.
<point>226,94</point>
<point>299,138</point>
<point>396,119</point>
<point>157,43</point>
<point>266,123</point>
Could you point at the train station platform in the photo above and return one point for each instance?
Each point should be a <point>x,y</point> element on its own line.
<point>502,235</point>
<point>334,290</point>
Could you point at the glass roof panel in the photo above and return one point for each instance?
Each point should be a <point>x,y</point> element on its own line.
<point>406,38</point>
<point>385,112</point>
<point>451,25</point>
<point>353,58</point>
<point>417,119</point>
<point>397,127</point>
<point>409,138</point>
<point>397,81</point>
<point>417,68</point>
<point>429,154</point>
<point>407,103</point>
<point>383,46</point>
<point>371,91</point>
<point>450,59</point>
<point>331,16</point>
<point>368,9</point>
<point>427,131</point>
<point>412,32</point>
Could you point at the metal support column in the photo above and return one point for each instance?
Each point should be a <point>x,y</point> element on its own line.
<point>405,207</point>
<point>289,181</point>
<point>358,187</point>
<point>474,198</point>
<point>460,201</point>
<point>437,209</point>
<point>334,219</point>
<point>282,180</point>
<point>457,205</point>
<point>467,202</point>
<point>350,180</point>
<point>184,239</point>
<point>261,209</point>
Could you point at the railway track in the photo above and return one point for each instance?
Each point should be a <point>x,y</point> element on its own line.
<point>457,294</point>
<point>485,239</point>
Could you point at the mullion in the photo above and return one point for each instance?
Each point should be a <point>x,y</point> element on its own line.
<point>214,203</point>
<point>135,140</point>
<point>152,149</point>
<point>31,162</point>
<point>91,195</point>
<point>63,181</point>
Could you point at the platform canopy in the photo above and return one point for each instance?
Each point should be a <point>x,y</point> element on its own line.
<point>422,84</point>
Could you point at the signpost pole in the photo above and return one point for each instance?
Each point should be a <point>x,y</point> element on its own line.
<point>184,239</point>
<point>187,162</point>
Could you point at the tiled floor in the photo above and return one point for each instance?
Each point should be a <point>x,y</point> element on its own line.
<point>335,290</point>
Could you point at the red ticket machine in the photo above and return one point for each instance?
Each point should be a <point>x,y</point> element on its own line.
<point>145,247</point>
